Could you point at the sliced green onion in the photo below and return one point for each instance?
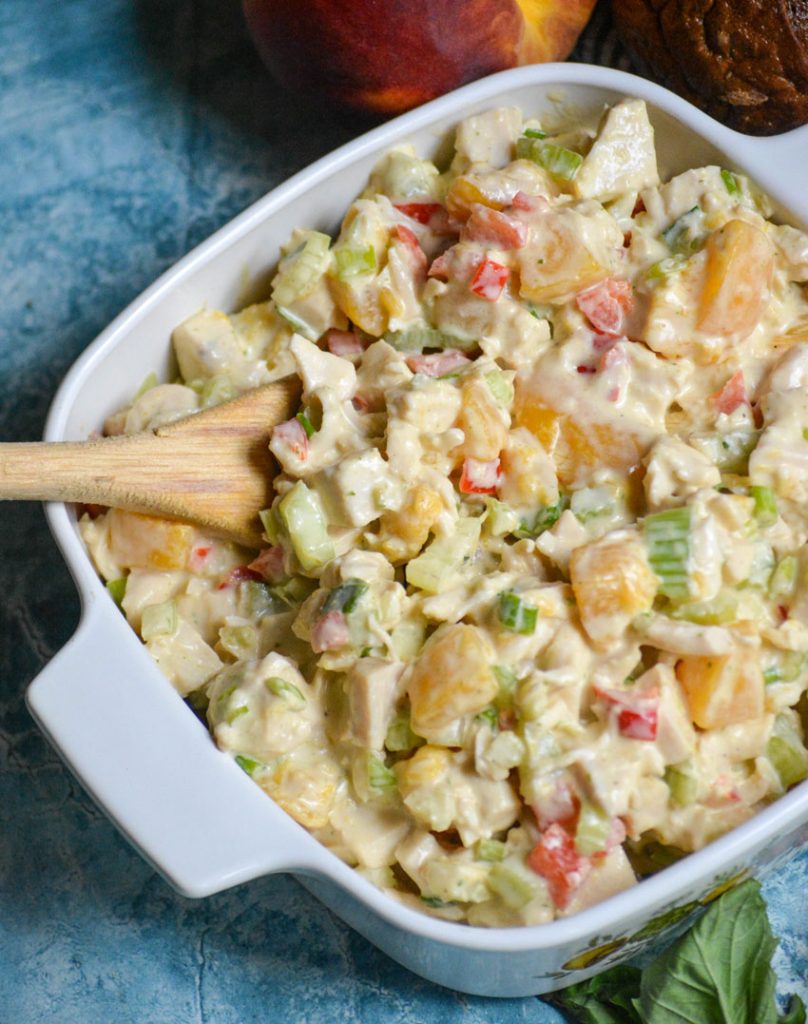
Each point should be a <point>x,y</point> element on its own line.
<point>787,752</point>
<point>306,423</point>
<point>255,600</point>
<point>434,902</point>
<point>400,736</point>
<point>534,133</point>
<point>438,564</point>
<point>380,777</point>
<point>765,505</point>
<point>354,262</point>
<point>723,608</point>
<point>302,515</point>
<point>117,589</point>
<point>491,850</point>
<point>286,691</point>
<point>593,829</point>
<point>247,764</point>
<point>681,782</point>
<point>562,163</point>
<point>300,271</point>
<point>667,535</point>
<point>236,712</point>
<point>664,268</point>
<point>516,614</point>
<point>546,517</point>
<point>159,620</point>
<point>730,182</point>
<point>686,233</point>
<point>344,597</point>
<point>500,387</point>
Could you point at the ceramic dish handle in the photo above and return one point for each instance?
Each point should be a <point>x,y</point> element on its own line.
<point>119,726</point>
<point>779,164</point>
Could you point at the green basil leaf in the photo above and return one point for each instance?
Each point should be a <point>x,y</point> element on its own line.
<point>605,999</point>
<point>719,971</point>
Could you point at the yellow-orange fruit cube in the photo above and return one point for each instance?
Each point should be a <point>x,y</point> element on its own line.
<point>405,531</point>
<point>740,262</point>
<point>451,678</point>
<point>722,690</point>
<point>146,542</point>
<point>612,582</point>
<point>556,263</point>
<point>481,422</point>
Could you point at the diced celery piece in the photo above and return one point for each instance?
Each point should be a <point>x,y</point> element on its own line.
<point>500,387</point>
<point>216,390</point>
<point>513,883</point>
<point>302,515</point>
<point>159,620</point>
<point>562,163</point>
<point>591,502</point>
<point>664,268</point>
<point>380,777</point>
<point>787,669</point>
<point>149,381</point>
<point>408,639</point>
<point>420,336</point>
<point>400,736</point>
<point>516,614</point>
<point>354,262</point>
<point>686,234</point>
<point>765,505</point>
<point>787,752</point>
<point>729,451</point>
<point>236,712</point>
<point>299,271</point>
<point>240,641</point>
<point>499,519</point>
<point>269,521</point>
<point>508,684</point>
<point>117,589</point>
<point>723,608</point>
<point>344,597</point>
<point>593,829</point>
<point>681,782</point>
<point>437,566</point>
<point>490,850</point>
<point>730,182</point>
<point>667,535</point>
<point>534,133</point>
<point>247,764</point>
<point>783,579</point>
<point>255,600</point>
<point>286,691</point>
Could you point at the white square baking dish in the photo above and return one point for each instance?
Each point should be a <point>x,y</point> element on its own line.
<point>140,751</point>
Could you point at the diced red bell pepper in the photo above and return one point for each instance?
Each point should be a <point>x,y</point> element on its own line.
<point>415,255</point>
<point>556,859</point>
<point>343,343</point>
<point>199,557</point>
<point>292,435</point>
<point>422,212</point>
<point>605,304</point>
<point>330,632</point>
<point>240,574</point>
<point>530,204</point>
<point>489,280</point>
<point>438,364</point>
<point>494,228</point>
<point>636,713</point>
<point>269,564</point>
<point>732,395</point>
<point>479,477</point>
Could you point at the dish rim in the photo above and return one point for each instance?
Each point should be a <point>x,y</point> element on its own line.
<point>669,884</point>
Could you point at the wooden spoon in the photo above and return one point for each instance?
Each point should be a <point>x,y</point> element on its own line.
<point>212,468</point>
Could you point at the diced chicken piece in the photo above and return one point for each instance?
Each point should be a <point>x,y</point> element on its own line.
<point>206,345</point>
<point>568,250</point>
<point>780,460</point>
<point>304,784</point>
<point>722,690</point>
<point>675,736</point>
<point>144,587</point>
<point>675,471</point>
<point>695,187</point>
<point>790,371</point>
<point>145,542</point>
<point>680,637</point>
<point>319,369</point>
<point>184,658</point>
<point>444,876</point>
<point>371,833</point>
<point>451,678</point>
<point>609,875</point>
<point>497,189</point>
<point>487,139</point>
<point>372,687</point>
<point>357,489</point>
<point>405,531</point>
<point>161,404</point>
<point>740,263</point>
<point>613,583</point>
<point>793,245</point>
<point>559,542</point>
<point>622,158</point>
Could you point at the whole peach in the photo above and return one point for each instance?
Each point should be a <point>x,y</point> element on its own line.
<point>386,56</point>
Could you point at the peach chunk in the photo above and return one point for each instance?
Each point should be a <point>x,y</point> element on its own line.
<point>145,542</point>
<point>740,262</point>
<point>556,263</point>
<point>612,582</point>
<point>451,678</point>
<point>722,690</point>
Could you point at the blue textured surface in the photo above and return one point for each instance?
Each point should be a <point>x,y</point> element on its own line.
<point>128,132</point>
